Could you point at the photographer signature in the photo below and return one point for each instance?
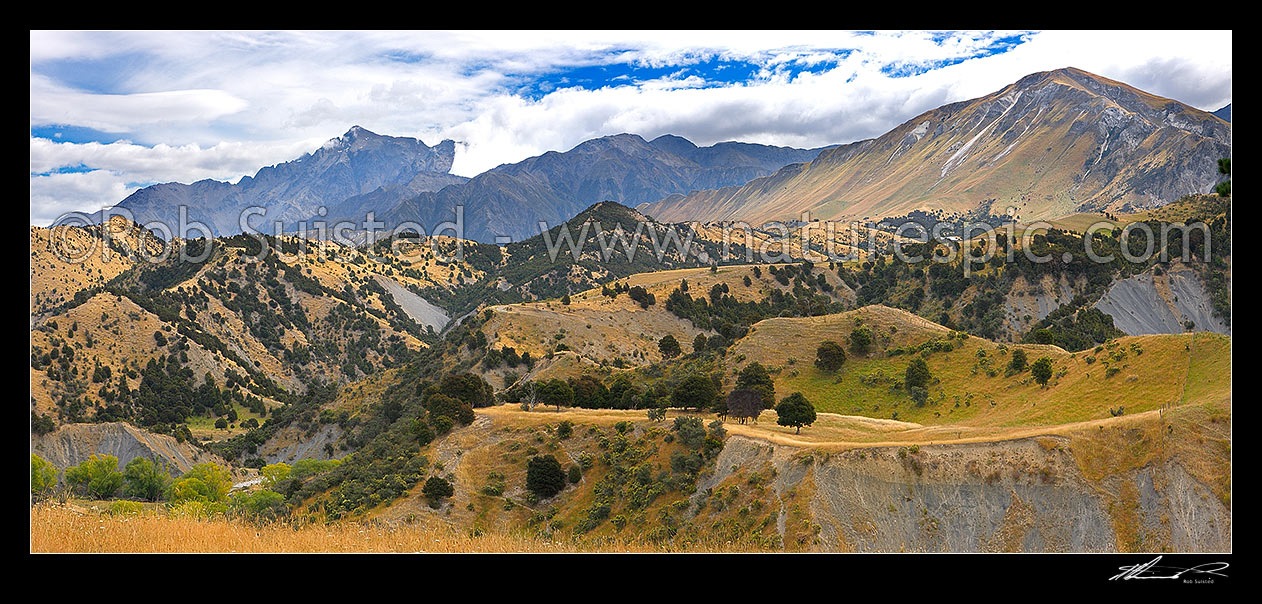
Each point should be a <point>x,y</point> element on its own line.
<point>1151,570</point>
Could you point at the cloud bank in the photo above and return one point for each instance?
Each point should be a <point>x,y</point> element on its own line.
<point>114,111</point>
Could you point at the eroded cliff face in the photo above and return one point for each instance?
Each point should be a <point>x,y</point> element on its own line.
<point>71,444</point>
<point>1167,303</point>
<point>1025,495</point>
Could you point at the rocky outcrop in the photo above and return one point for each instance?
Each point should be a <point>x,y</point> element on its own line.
<point>71,444</point>
<point>416,307</point>
<point>1167,303</point>
<point>1020,495</point>
<point>290,444</point>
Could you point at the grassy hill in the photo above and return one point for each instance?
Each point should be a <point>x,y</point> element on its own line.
<point>971,383</point>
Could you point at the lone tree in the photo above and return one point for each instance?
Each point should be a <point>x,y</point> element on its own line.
<point>565,299</point>
<point>544,476</point>
<point>744,405</point>
<point>829,356</point>
<point>695,392</point>
<point>755,377</point>
<point>1042,370</point>
<point>795,411</point>
<point>698,344</point>
<point>557,393</point>
<point>669,346</point>
<point>861,339</point>
<point>917,375</point>
<point>436,489</point>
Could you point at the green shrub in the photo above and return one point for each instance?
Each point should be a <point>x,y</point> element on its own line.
<point>98,476</point>
<point>145,479</point>
<point>43,477</point>
<point>436,489</point>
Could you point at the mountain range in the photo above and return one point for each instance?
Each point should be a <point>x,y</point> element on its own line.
<point>510,200</point>
<point>1051,144</point>
<point>357,164</point>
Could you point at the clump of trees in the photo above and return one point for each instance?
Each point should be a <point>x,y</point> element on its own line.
<point>755,377</point>
<point>97,477</point>
<point>144,479</point>
<point>43,477</point>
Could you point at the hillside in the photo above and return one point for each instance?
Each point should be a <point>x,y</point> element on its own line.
<point>238,336</point>
<point>1013,466</point>
<point>1049,145</point>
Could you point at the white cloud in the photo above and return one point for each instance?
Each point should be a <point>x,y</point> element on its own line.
<point>165,163</point>
<point>222,104</point>
<point>55,194</point>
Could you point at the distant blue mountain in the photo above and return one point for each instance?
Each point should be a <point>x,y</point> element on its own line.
<point>1224,113</point>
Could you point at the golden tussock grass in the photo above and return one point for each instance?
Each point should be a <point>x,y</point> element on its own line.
<point>61,529</point>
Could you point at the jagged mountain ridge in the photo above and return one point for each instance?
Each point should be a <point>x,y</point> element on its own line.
<point>1050,144</point>
<point>359,164</point>
<point>511,199</point>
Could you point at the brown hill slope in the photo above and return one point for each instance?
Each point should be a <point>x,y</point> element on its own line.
<point>1048,145</point>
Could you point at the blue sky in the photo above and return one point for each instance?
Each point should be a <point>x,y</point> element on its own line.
<point>114,111</point>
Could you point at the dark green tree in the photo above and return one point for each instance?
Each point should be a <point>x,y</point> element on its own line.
<point>694,392</point>
<point>668,346</point>
<point>556,393</point>
<point>1042,370</point>
<point>1018,362</point>
<point>755,377</point>
<point>441,405</point>
<point>917,374</point>
<point>861,339</point>
<point>544,476</point>
<point>795,411</point>
<point>829,356</point>
<point>1224,168</point>
<point>436,489</point>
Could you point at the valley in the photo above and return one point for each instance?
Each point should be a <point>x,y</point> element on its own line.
<point>646,345</point>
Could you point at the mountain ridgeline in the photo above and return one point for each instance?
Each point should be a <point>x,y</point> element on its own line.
<point>359,164</point>
<point>511,200</point>
<point>402,180</point>
<point>1051,144</point>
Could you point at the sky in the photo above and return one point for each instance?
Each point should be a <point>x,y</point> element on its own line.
<point>112,112</point>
